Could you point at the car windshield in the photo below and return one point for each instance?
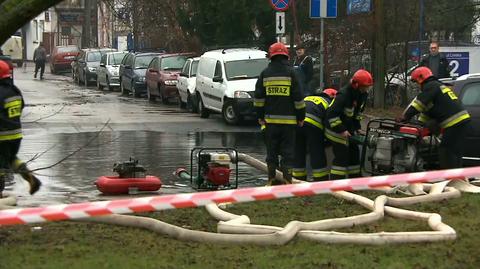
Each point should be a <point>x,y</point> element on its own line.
<point>245,69</point>
<point>67,49</point>
<point>143,61</point>
<point>115,59</point>
<point>94,56</point>
<point>194,68</point>
<point>173,62</point>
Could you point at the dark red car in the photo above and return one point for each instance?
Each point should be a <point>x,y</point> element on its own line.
<point>62,57</point>
<point>162,74</point>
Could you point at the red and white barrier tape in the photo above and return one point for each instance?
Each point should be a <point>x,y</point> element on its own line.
<point>156,203</point>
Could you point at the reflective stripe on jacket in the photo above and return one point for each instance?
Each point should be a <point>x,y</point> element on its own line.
<point>437,101</point>
<point>278,97</point>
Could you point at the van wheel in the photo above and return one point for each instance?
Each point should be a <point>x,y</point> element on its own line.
<point>109,88</point>
<point>161,91</point>
<point>191,104</point>
<point>99,86</point>
<point>150,97</point>
<point>202,110</point>
<point>229,114</point>
<point>123,91</point>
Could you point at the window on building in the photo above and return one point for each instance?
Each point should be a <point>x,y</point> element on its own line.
<point>35,28</point>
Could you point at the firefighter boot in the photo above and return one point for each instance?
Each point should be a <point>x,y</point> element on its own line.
<point>272,171</point>
<point>3,177</point>
<point>287,175</point>
<point>32,180</point>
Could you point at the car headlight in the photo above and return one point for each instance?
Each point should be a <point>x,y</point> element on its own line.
<point>92,69</point>
<point>171,82</point>
<point>241,94</point>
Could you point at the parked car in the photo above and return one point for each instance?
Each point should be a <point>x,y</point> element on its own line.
<point>14,49</point>
<point>187,83</point>
<point>467,89</point>
<point>226,82</point>
<point>107,72</point>
<point>132,72</point>
<point>162,74</point>
<point>62,57</point>
<point>87,62</point>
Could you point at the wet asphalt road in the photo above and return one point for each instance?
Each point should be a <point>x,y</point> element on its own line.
<point>61,117</point>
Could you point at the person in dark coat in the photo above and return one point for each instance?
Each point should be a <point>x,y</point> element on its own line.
<point>436,62</point>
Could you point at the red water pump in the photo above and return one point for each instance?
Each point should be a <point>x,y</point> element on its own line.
<point>214,168</point>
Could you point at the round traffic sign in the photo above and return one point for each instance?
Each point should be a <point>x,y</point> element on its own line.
<point>279,5</point>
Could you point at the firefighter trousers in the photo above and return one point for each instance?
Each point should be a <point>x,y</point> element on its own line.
<point>453,145</point>
<point>310,141</point>
<point>280,142</point>
<point>346,161</point>
<point>8,155</point>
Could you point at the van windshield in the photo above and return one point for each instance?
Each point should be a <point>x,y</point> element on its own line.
<point>245,69</point>
<point>67,49</point>
<point>116,58</point>
<point>174,62</point>
<point>142,62</point>
<point>94,56</point>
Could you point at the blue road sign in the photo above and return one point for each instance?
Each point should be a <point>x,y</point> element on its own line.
<point>459,62</point>
<point>323,9</point>
<point>358,6</point>
<point>279,5</point>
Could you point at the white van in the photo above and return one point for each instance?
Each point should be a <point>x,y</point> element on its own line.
<point>226,82</point>
<point>13,48</point>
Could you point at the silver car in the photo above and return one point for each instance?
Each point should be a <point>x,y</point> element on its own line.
<point>107,73</point>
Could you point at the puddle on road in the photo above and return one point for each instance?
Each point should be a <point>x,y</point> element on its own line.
<point>160,153</point>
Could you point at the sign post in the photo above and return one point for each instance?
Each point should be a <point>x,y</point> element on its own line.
<point>279,6</point>
<point>280,23</point>
<point>321,9</point>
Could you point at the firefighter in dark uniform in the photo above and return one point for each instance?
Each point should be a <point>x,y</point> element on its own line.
<point>11,105</point>
<point>437,101</point>
<point>310,138</point>
<point>343,120</point>
<point>280,108</point>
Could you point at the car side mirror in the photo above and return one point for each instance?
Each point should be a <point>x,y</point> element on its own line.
<point>102,65</point>
<point>217,79</point>
<point>151,70</point>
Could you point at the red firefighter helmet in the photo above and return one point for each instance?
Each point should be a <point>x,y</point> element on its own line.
<point>5,70</point>
<point>278,49</point>
<point>421,73</point>
<point>362,78</point>
<point>330,92</point>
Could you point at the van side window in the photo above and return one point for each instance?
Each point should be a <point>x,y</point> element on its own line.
<point>218,69</point>
<point>185,69</point>
<point>104,59</point>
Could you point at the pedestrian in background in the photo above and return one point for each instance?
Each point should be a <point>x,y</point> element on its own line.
<point>280,108</point>
<point>343,120</point>
<point>303,65</point>
<point>11,105</point>
<point>40,57</point>
<point>310,139</point>
<point>436,62</point>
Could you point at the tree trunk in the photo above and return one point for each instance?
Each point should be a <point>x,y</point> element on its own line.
<point>379,56</point>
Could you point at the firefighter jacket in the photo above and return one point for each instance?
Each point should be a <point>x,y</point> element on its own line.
<point>437,101</point>
<point>315,109</point>
<point>11,105</point>
<point>278,97</point>
<point>345,111</point>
